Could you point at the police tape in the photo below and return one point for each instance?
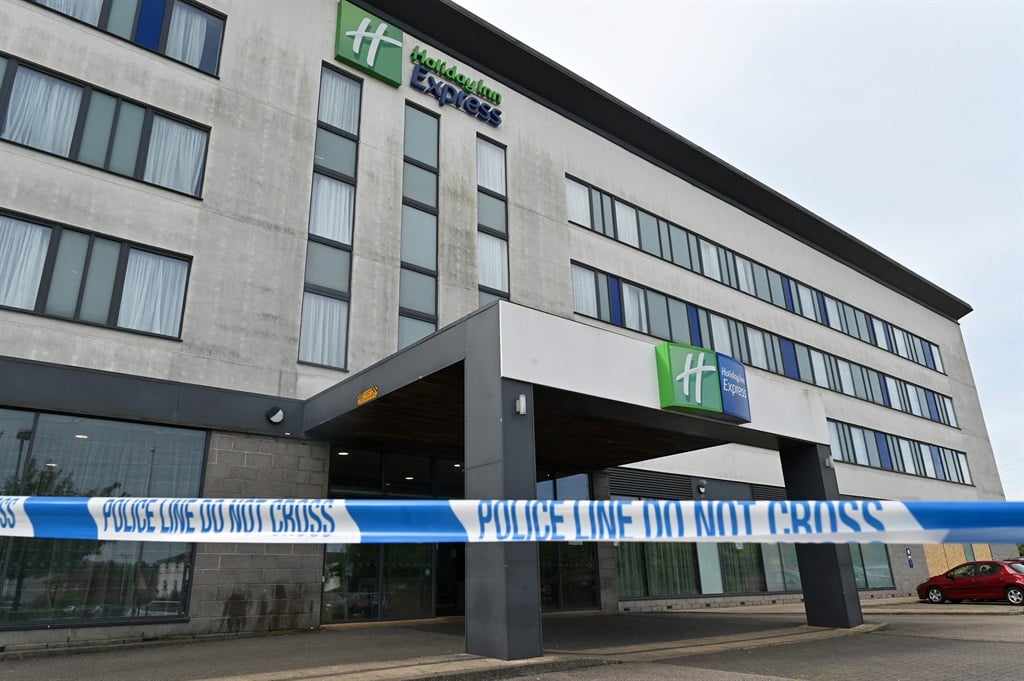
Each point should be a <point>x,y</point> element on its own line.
<point>374,521</point>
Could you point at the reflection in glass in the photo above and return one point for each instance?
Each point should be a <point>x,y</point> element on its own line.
<point>42,580</point>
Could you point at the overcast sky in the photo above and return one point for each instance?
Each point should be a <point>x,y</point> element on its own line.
<point>900,122</point>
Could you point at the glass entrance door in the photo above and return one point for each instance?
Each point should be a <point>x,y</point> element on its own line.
<point>450,580</point>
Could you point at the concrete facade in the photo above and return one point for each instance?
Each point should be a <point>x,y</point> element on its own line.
<point>246,238</point>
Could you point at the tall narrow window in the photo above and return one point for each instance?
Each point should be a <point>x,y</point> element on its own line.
<point>23,249</point>
<point>417,286</point>
<point>323,335</point>
<point>492,221</point>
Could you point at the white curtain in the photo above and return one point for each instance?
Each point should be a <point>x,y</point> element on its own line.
<point>577,200</point>
<point>709,259</point>
<point>22,254</point>
<point>634,307</point>
<point>846,378</point>
<point>42,112</point>
<point>879,334</point>
<point>820,369</point>
<point>154,292</point>
<point>339,101</point>
<point>807,302</point>
<point>720,335</point>
<point>175,158</point>
<point>625,222</point>
<point>490,166</point>
<point>744,275</point>
<point>83,10</point>
<point>323,333</point>
<point>758,354</point>
<point>186,37</point>
<point>584,293</point>
<point>832,308</point>
<point>492,261</point>
<point>330,210</point>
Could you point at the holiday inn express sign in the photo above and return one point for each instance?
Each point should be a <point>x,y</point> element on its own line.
<point>368,44</point>
<point>375,47</point>
<point>702,381</point>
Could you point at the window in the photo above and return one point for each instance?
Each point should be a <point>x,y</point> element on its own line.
<point>641,309</point>
<point>323,331</point>
<point>577,201</point>
<point>177,29</point>
<point>75,456</point>
<point>417,287</point>
<point>61,272</point>
<point>44,112</point>
<point>492,221</point>
<point>626,224</point>
<point>875,449</point>
<point>592,208</point>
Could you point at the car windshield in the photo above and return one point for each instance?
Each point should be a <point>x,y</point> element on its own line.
<point>1017,567</point>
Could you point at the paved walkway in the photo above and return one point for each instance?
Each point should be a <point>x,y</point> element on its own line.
<point>434,649</point>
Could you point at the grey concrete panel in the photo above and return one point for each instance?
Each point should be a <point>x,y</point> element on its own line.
<point>33,385</point>
<point>502,580</point>
<point>826,570</point>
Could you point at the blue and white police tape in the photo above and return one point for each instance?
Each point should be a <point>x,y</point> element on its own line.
<point>320,521</point>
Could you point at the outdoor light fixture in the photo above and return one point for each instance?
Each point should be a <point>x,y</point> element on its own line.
<point>275,415</point>
<point>702,487</point>
<point>521,405</point>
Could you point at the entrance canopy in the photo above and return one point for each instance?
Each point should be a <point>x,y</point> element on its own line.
<point>594,398</point>
<point>514,390</point>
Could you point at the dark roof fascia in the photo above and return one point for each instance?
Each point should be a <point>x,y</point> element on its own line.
<point>500,56</point>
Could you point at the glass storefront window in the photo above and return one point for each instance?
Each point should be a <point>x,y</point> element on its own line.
<point>42,580</point>
<point>568,570</point>
<point>352,582</point>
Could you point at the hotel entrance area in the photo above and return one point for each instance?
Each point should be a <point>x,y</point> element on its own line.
<point>365,582</point>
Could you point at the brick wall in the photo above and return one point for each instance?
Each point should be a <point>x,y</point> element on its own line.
<point>259,587</point>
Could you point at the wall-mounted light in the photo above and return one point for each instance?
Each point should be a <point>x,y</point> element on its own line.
<point>275,415</point>
<point>702,487</point>
<point>521,405</point>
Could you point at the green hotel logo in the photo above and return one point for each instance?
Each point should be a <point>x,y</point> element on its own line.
<point>688,377</point>
<point>693,379</point>
<point>368,44</point>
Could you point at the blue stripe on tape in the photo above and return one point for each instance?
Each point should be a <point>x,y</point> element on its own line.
<point>953,515</point>
<point>383,521</point>
<point>61,517</point>
<point>997,521</point>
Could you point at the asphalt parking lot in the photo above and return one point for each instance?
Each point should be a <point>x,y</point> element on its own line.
<point>905,640</point>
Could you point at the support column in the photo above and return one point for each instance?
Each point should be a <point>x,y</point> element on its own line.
<point>826,570</point>
<point>502,580</point>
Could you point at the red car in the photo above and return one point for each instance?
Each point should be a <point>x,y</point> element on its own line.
<point>979,580</point>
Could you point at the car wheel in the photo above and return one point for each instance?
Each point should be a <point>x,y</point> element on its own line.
<point>1015,595</point>
<point>935,595</point>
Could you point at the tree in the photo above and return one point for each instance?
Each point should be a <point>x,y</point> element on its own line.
<point>54,559</point>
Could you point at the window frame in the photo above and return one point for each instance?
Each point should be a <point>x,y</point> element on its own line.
<point>57,230</point>
<point>142,152</point>
<point>165,27</point>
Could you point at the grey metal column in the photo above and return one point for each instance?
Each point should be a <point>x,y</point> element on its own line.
<point>826,570</point>
<point>502,580</point>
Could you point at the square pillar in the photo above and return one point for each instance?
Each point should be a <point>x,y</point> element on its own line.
<point>502,579</point>
<point>826,570</point>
